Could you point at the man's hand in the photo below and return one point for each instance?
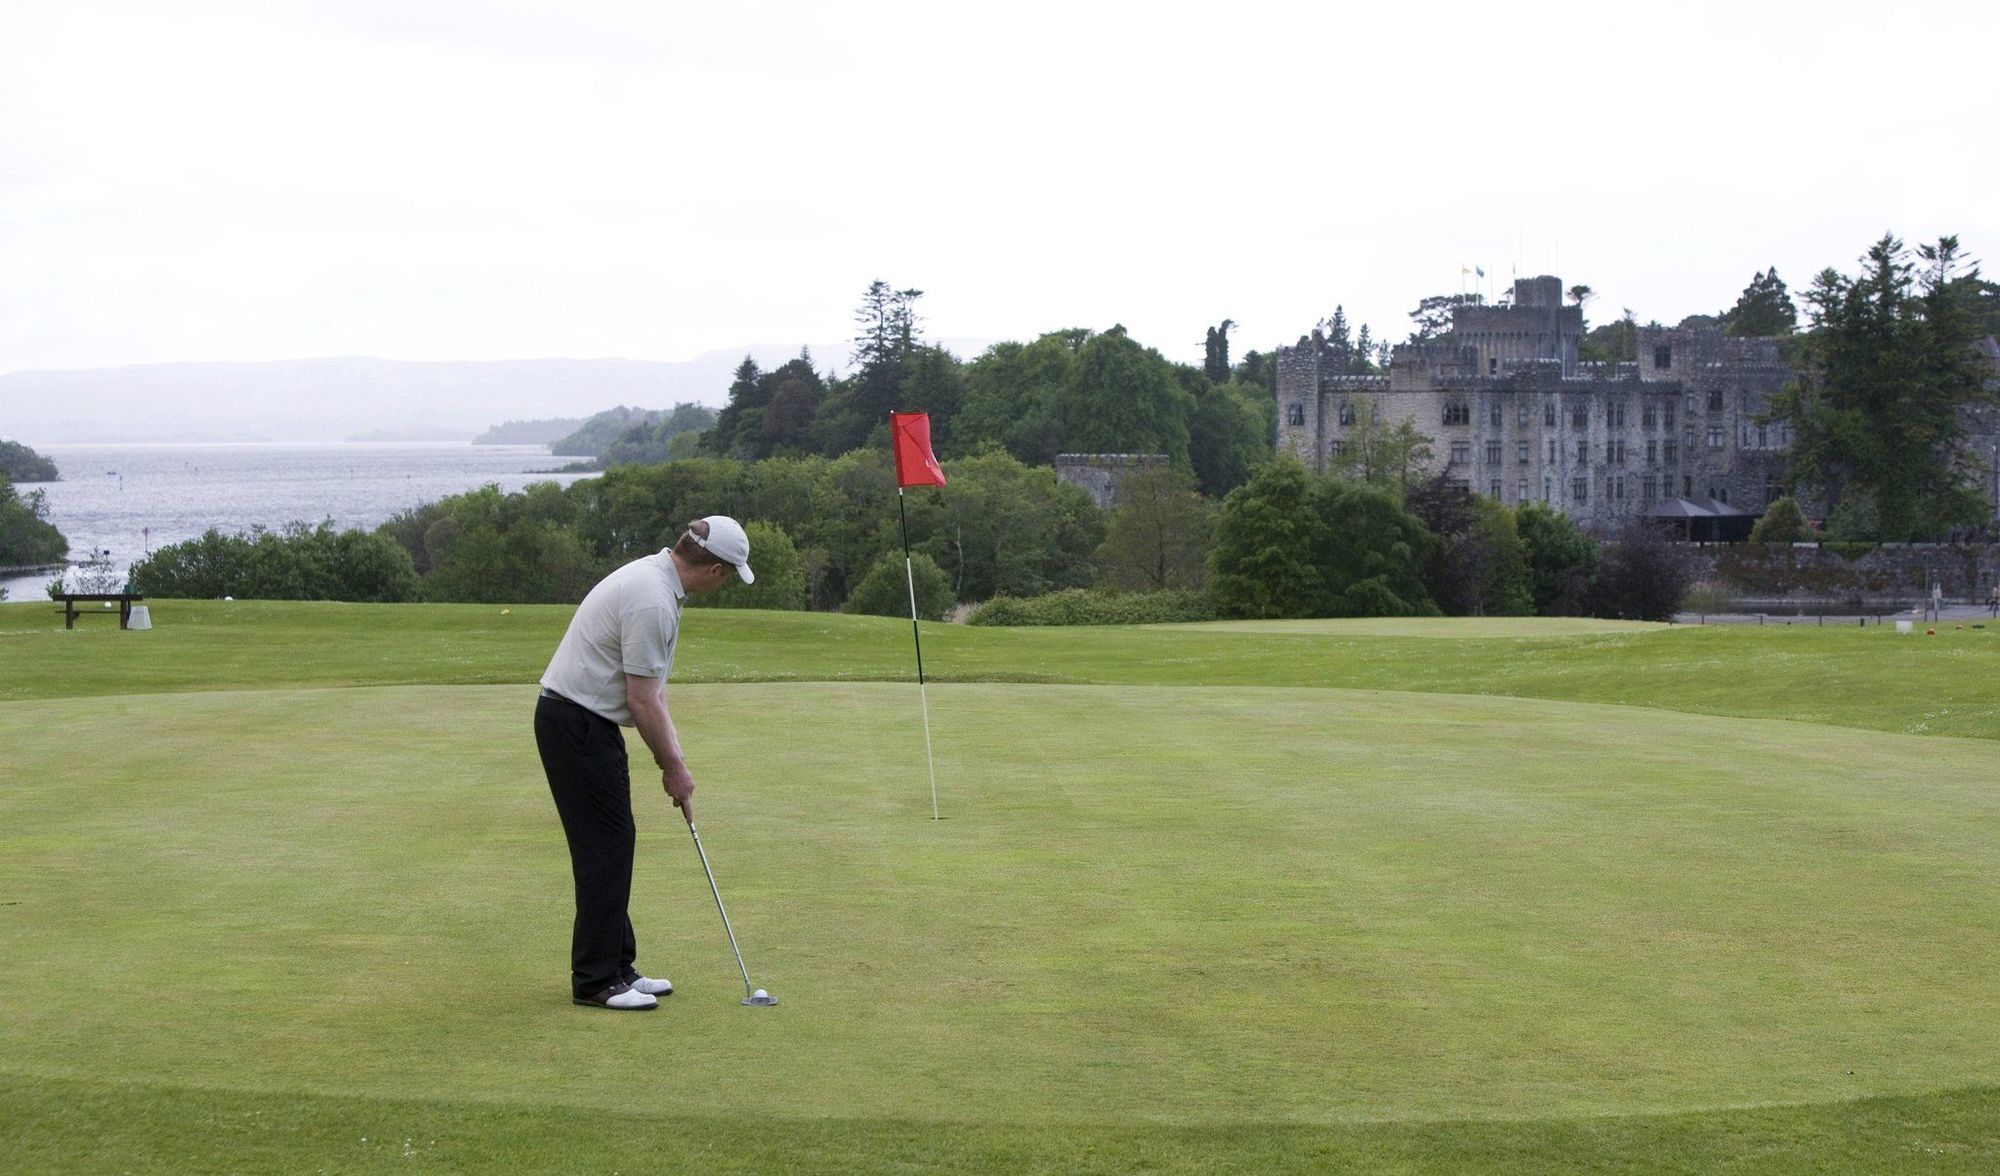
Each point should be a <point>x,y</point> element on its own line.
<point>680,786</point>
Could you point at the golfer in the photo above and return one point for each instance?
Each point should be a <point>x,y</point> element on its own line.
<point>611,671</point>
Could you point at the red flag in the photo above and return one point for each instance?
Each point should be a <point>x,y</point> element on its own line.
<point>915,464</point>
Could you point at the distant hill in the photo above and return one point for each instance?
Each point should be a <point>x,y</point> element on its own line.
<point>332,399</point>
<point>541,432</point>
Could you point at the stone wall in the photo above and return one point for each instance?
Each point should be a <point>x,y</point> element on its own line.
<point>1893,573</point>
<point>1098,473</point>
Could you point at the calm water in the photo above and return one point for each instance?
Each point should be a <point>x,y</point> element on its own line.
<point>134,498</point>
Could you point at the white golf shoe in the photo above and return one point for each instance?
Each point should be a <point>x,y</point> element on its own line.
<point>621,996</point>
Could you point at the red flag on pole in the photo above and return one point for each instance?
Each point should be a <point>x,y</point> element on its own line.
<point>916,465</point>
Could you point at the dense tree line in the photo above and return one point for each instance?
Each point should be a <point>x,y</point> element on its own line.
<point>18,463</point>
<point>1883,376</point>
<point>27,538</point>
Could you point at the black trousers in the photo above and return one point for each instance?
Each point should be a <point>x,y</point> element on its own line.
<point>583,754</point>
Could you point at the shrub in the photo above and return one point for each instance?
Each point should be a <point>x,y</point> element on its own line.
<point>885,590</point>
<point>297,562</point>
<point>1783,522</point>
<point>781,574</point>
<point>1640,577</point>
<point>1086,606</point>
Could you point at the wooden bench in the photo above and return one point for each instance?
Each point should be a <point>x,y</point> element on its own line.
<point>125,601</point>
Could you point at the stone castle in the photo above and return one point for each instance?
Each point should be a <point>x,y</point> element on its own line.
<point>1512,413</point>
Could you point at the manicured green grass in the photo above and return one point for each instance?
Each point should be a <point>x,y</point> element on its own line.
<point>1943,685</point>
<point>1165,925</point>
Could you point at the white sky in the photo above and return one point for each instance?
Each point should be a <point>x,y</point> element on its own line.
<point>491,179</point>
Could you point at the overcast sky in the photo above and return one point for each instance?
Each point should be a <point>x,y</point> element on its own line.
<point>491,179</point>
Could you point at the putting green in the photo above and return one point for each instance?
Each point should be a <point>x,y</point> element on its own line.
<point>1197,907</point>
<point>1539,628</point>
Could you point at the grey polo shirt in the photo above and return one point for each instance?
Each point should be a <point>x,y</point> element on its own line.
<point>627,625</point>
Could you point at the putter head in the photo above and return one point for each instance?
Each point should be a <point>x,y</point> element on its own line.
<point>760,999</point>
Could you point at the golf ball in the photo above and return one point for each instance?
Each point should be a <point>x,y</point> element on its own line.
<point>760,992</point>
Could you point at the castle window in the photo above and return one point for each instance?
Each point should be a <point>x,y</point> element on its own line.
<point>1663,358</point>
<point>1295,415</point>
<point>1715,400</point>
<point>1579,489</point>
<point>1549,415</point>
<point>1456,413</point>
<point>1715,438</point>
<point>1346,413</point>
<point>1579,417</point>
<point>1461,452</point>
<point>1493,455</point>
<point>1521,452</point>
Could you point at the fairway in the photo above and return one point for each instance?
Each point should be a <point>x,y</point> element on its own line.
<point>1175,924</point>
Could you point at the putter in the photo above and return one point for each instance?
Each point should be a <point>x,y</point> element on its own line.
<point>759,997</point>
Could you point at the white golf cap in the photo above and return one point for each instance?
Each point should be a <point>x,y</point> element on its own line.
<point>727,542</point>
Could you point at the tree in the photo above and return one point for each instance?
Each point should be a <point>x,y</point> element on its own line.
<point>885,590</point>
<point>1641,576</point>
<point>1215,353</point>
<point>1158,535</point>
<point>1875,406</point>
<point>27,538</point>
<point>1120,397</point>
<point>1614,342</point>
<point>1230,432</point>
<point>1267,535</point>
<point>1379,453</point>
<point>18,463</point>
<point>781,574</point>
<point>1562,560</point>
<point>1433,315</point>
<point>1478,566</point>
<point>1764,308</point>
<point>746,395</point>
<point>1783,522</point>
<point>1371,553</point>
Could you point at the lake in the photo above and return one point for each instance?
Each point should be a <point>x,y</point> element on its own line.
<point>132,499</point>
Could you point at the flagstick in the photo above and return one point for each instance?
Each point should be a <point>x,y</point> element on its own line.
<point>923,696</point>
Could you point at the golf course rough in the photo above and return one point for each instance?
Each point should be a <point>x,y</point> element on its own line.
<point>1185,923</point>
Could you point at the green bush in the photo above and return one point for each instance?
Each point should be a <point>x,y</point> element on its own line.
<point>781,574</point>
<point>1087,606</point>
<point>1783,522</point>
<point>27,539</point>
<point>885,590</point>
<point>297,562</point>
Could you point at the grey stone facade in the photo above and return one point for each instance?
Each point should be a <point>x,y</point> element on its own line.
<point>1513,414</point>
<point>1098,473</point>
